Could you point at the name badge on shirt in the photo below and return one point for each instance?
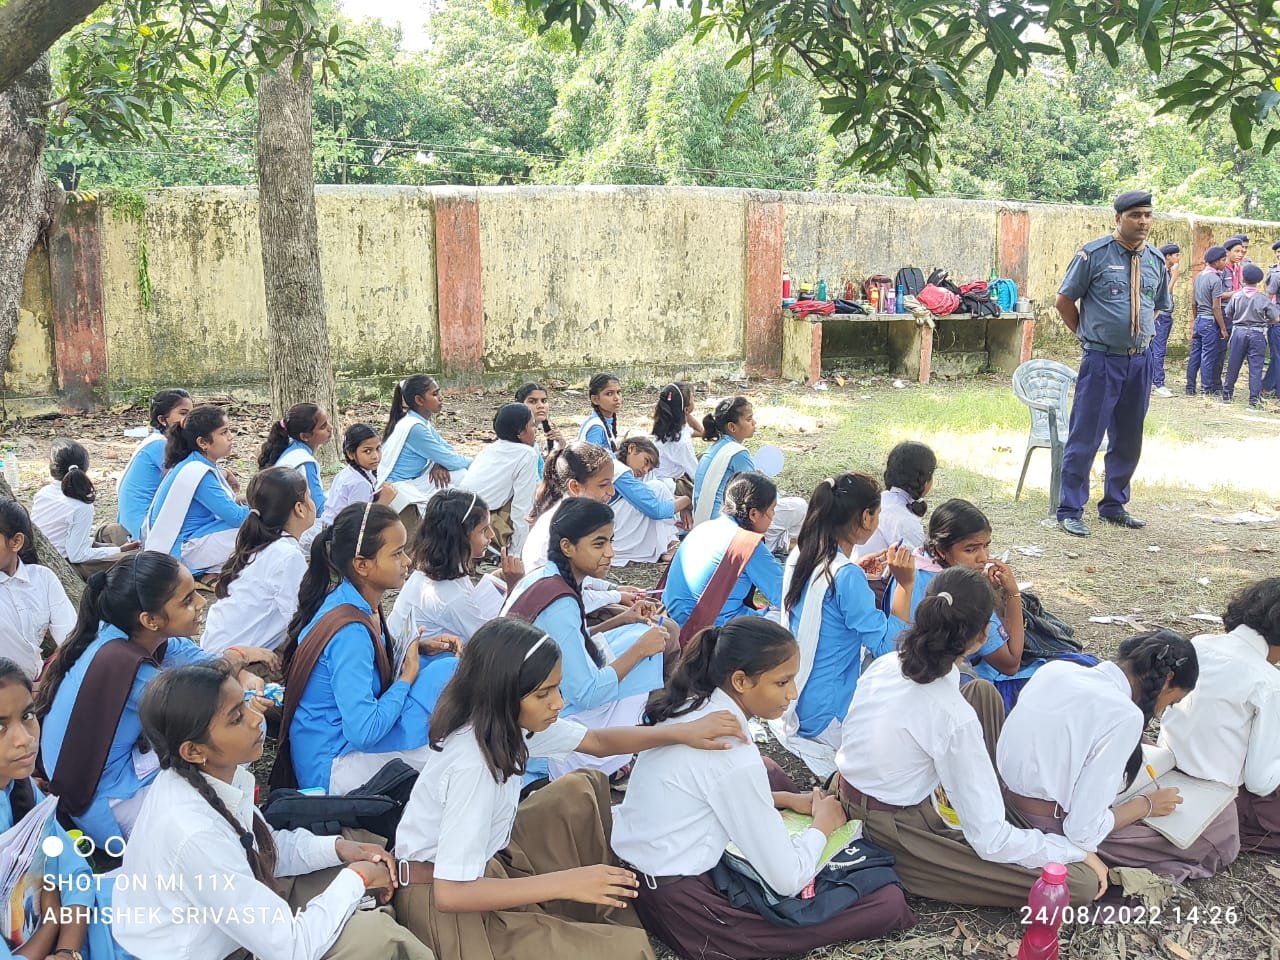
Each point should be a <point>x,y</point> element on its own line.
<point>145,763</point>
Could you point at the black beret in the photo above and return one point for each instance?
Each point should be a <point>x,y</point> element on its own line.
<point>1131,199</point>
<point>1252,273</point>
<point>1232,242</point>
<point>1214,254</point>
<point>1170,248</point>
<point>1276,245</point>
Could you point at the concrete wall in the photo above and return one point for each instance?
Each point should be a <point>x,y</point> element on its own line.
<point>494,283</point>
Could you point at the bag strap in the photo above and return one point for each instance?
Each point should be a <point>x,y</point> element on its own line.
<point>95,715</point>
<point>730,568</point>
<point>537,597</point>
<point>301,667</point>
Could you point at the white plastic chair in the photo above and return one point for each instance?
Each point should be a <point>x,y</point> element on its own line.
<point>1045,387</point>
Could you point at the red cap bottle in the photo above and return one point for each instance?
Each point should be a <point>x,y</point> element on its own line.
<point>1049,896</point>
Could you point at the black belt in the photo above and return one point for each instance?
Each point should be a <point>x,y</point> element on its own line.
<point>1120,351</point>
<point>648,879</point>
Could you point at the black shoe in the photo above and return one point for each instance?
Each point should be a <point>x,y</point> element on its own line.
<point>1074,526</point>
<point>1125,520</point>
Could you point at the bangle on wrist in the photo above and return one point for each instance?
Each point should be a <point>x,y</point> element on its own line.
<point>1150,806</point>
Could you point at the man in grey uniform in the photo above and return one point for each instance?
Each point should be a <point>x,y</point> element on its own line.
<point>1109,299</point>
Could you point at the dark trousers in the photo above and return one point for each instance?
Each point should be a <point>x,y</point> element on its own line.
<point>1112,394</point>
<point>1206,345</point>
<point>1220,360</point>
<point>1160,347</point>
<point>1271,381</point>
<point>1250,343</point>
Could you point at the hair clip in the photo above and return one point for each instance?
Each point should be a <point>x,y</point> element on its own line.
<point>534,649</point>
<point>74,466</point>
<point>830,482</point>
<point>474,498</point>
<point>255,511</point>
<point>943,595</point>
<point>403,388</point>
<point>364,520</point>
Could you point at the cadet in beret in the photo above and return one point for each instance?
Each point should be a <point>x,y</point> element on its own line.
<point>1109,299</point>
<point>1164,323</point>
<point>1271,382</point>
<point>1209,326</point>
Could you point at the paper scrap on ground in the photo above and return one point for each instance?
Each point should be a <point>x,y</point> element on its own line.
<point>1206,617</point>
<point>137,433</point>
<point>1128,619</point>
<point>1030,551</point>
<point>1245,516</point>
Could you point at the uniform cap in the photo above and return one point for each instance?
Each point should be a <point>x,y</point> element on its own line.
<point>1214,254</point>
<point>1170,248</point>
<point>1131,199</point>
<point>1252,273</point>
<point>1232,243</point>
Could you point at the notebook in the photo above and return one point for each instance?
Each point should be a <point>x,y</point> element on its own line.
<point>798,823</point>
<point>1202,800</point>
<point>22,870</point>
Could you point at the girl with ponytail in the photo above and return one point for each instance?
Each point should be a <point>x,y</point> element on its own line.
<point>73,909</point>
<point>199,820</point>
<point>31,594</point>
<point>831,609</point>
<point>63,510</point>
<point>195,514</point>
<point>355,698</point>
<point>505,475</point>
<point>293,441</point>
<point>683,808</point>
<point>960,536</point>
<point>135,621</point>
<point>1064,780</point>
<point>674,427</point>
<point>416,460</point>
<point>908,478</point>
<point>917,767</point>
<point>484,875</point>
<point>144,471</point>
<point>258,589</point>
<point>609,669</point>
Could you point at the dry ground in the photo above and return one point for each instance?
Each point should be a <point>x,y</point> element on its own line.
<point>1201,461</point>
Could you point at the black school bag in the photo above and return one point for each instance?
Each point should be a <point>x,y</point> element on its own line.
<point>1047,636</point>
<point>376,806</point>
<point>910,280</point>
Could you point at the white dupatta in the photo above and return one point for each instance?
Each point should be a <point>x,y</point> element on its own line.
<point>296,457</point>
<point>706,500</point>
<point>161,534</point>
<point>820,757</point>
<point>416,491</point>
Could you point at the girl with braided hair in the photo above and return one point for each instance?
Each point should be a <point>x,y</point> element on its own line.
<point>200,823</point>
<point>65,930</point>
<point>916,764</point>
<point>1065,781</point>
<point>908,478</point>
<point>293,442</point>
<point>258,589</point>
<point>135,621</point>
<point>674,427</point>
<point>609,669</point>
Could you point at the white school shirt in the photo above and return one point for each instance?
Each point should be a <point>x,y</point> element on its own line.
<point>458,816</point>
<point>32,602</point>
<point>1228,728</point>
<point>458,607</point>
<point>68,523</point>
<point>677,458</point>
<point>349,486</point>
<point>1067,740</point>
<point>502,473</point>
<point>193,896</point>
<point>683,806</point>
<point>260,602</point>
<point>896,523</point>
<point>902,740</point>
<point>596,593</point>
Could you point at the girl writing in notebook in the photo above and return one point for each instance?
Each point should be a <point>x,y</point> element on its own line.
<point>485,875</point>
<point>1225,729</point>
<point>135,620</point>
<point>1075,740</point>
<point>608,669</point>
<point>200,821</point>
<point>683,808</point>
<point>196,513</point>
<point>145,469</point>
<point>349,708</point>
<point>644,506</point>
<point>830,608</point>
<point>916,766</point>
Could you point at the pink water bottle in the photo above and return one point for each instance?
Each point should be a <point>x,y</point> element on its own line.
<point>1049,897</point>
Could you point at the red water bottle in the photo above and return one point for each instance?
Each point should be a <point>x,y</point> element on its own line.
<point>1049,897</point>
<point>786,285</point>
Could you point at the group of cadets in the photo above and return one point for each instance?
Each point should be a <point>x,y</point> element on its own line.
<point>886,653</point>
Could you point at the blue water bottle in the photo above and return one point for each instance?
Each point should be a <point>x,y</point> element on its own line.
<point>898,305</point>
<point>822,291</point>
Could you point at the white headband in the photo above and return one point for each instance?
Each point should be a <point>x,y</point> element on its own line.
<point>534,649</point>
<point>474,498</point>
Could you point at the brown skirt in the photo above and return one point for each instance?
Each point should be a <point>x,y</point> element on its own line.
<point>112,533</point>
<point>560,827</point>
<point>937,862</point>
<point>503,528</point>
<point>1259,819</point>
<point>1138,845</point>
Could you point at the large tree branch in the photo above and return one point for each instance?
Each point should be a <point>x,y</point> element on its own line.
<point>29,27</point>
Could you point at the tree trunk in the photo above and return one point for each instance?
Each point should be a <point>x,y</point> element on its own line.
<point>50,557</point>
<point>28,29</point>
<point>298,336</point>
<point>29,200</point>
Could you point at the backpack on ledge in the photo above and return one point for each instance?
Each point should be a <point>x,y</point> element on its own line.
<point>1004,292</point>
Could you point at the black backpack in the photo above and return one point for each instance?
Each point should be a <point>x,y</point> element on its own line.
<point>910,280</point>
<point>376,806</point>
